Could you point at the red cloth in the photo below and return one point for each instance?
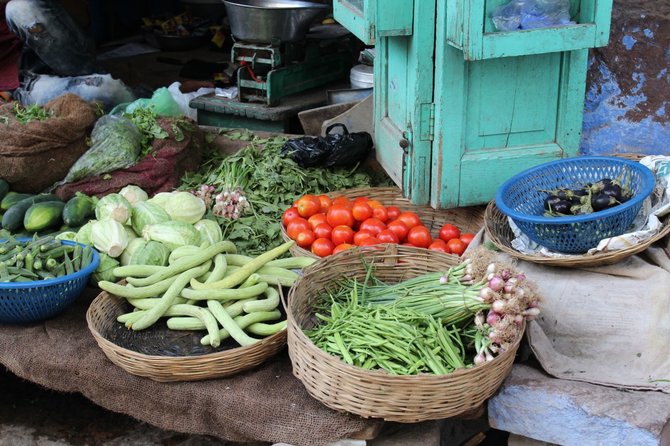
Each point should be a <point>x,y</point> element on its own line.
<point>10,53</point>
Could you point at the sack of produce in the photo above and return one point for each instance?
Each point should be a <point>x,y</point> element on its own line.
<point>40,144</point>
<point>334,150</point>
<point>158,171</point>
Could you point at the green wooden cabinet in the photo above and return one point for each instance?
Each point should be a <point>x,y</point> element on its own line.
<point>460,108</point>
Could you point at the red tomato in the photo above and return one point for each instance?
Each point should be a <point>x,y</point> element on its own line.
<point>361,236</point>
<point>370,241</point>
<point>375,203</point>
<point>419,236</point>
<point>380,213</point>
<point>316,219</point>
<point>409,218</point>
<point>290,214</point>
<point>393,212</point>
<point>361,211</point>
<point>323,230</point>
<point>323,247</point>
<point>308,205</point>
<point>341,200</point>
<point>342,235</point>
<point>305,238</point>
<point>360,200</point>
<point>449,231</point>
<point>456,246</point>
<point>388,236</point>
<point>372,225</point>
<point>399,228</point>
<point>467,237</point>
<point>325,201</point>
<point>439,245</point>
<point>340,214</point>
<point>342,247</point>
<point>296,226</point>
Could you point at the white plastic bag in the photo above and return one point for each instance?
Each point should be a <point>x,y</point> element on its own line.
<point>531,14</point>
<point>183,99</point>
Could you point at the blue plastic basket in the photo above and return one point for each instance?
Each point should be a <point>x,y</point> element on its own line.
<point>522,199</point>
<point>25,302</point>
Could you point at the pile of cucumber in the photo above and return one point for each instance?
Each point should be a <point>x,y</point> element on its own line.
<point>38,213</point>
<point>40,258</point>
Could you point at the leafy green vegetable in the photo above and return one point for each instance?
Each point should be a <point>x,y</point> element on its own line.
<point>25,114</point>
<point>270,183</point>
<point>145,118</point>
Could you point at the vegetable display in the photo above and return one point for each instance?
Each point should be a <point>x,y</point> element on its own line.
<point>210,288</point>
<point>434,323</point>
<point>603,194</point>
<point>327,226</point>
<point>40,258</point>
<point>247,192</point>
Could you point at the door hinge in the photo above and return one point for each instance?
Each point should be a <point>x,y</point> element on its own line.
<point>427,122</point>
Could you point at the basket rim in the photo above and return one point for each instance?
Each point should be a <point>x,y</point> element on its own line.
<point>647,174</point>
<point>163,359</point>
<point>56,280</point>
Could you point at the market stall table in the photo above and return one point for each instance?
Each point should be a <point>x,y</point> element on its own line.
<point>266,404</point>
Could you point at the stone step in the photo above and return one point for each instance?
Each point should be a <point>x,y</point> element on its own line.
<point>532,404</point>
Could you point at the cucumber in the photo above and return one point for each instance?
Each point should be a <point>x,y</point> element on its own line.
<point>43,215</point>
<point>13,218</point>
<point>11,198</point>
<point>4,188</point>
<point>78,210</point>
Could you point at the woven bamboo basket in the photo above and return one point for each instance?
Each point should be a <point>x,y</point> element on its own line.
<point>468,219</point>
<point>498,230</point>
<point>102,314</point>
<point>377,394</point>
<point>501,235</point>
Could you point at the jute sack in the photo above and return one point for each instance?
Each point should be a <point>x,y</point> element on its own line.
<point>606,325</point>
<point>35,155</point>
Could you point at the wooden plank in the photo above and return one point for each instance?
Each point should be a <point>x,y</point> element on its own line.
<point>537,41</point>
<point>483,173</point>
<point>394,18</point>
<point>603,20</point>
<point>359,22</point>
<point>473,16</point>
<point>571,101</point>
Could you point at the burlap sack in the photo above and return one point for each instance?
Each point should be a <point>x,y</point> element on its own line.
<point>158,172</point>
<point>35,155</point>
<point>606,325</point>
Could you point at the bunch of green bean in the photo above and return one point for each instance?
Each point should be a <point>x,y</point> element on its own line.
<point>210,288</point>
<point>400,341</point>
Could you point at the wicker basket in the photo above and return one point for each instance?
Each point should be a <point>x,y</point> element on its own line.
<point>376,394</point>
<point>499,231</point>
<point>102,314</point>
<point>468,219</point>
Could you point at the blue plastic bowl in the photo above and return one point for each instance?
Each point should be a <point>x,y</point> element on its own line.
<point>26,302</point>
<point>522,199</point>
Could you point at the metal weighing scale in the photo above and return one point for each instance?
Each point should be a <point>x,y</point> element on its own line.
<point>281,64</point>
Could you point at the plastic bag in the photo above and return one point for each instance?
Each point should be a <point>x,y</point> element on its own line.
<point>183,99</point>
<point>531,14</point>
<point>332,150</point>
<point>115,144</point>
<point>161,101</point>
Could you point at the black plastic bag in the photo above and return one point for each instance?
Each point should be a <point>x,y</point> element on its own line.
<point>333,150</point>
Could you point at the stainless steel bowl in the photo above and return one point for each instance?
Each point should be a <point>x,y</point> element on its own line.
<point>266,21</point>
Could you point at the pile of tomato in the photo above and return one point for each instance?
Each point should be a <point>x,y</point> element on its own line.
<point>327,226</point>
